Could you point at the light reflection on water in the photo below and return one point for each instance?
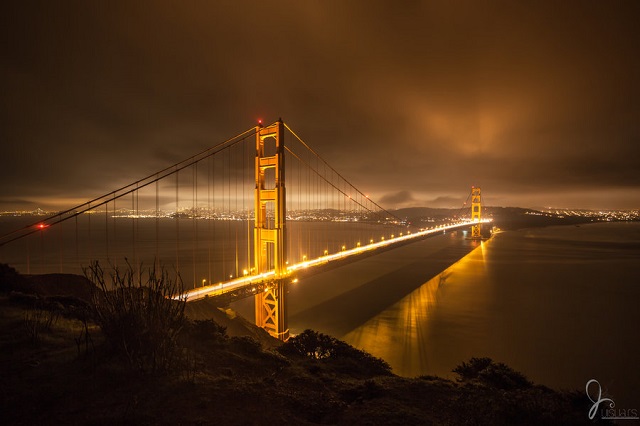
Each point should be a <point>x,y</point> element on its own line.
<point>401,333</point>
<point>559,304</point>
<point>398,334</point>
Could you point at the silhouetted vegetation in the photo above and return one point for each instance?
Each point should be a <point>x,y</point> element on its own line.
<point>138,315</point>
<point>37,321</point>
<point>203,335</point>
<point>488,372</point>
<point>318,346</point>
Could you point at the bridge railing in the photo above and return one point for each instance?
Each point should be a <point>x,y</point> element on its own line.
<point>249,285</point>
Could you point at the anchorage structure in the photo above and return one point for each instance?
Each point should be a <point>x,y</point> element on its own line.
<point>269,230</point>
<point>476,210</point>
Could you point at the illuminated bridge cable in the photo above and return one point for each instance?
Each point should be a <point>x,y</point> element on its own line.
<point>337,173</point>
<point>338,207</point>
<point>125,190</point>
<point>464,205</point>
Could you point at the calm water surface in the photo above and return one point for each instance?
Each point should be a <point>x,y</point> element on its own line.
<point>560,304</point>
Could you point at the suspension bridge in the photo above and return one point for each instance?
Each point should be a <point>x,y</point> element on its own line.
<point>227,223</point>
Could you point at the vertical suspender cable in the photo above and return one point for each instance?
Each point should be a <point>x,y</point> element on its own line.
<point>133,230</point>
<point>115,236</point>
<point>106,227</point>
<point>157,224</point>
<point>224,218</point>
<point>42,267</point>
<point>235,222</point>
<point>310,196</point>
<point>300,251</point>
<point>77,247</point>
<point>136,228</point>
<point>91,259</point>
<point>209,219</point>
<point>244,209</point>
<point>26,240</point>
<point>212,224</point>
<point>194,213</point>
<point>59,234</point>
<point>177,214</point>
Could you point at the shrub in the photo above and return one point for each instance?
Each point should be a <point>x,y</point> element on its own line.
<point>490,373</point>
<point>246,345</point>
<point>310,344</point>
<point>314,345</point>
<point>472,369</point>
<point>204,335</point>
<point>140,315</point>
<point>38,320</point>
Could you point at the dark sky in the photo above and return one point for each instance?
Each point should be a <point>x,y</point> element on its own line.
<point>414,101</point>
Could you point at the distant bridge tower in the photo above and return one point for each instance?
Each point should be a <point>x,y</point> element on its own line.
<point>476,211</point>
<point>269,229</point>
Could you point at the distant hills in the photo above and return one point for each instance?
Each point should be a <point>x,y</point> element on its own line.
<point>511,217</point>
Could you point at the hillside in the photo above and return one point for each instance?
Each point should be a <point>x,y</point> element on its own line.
<point>58,368</point>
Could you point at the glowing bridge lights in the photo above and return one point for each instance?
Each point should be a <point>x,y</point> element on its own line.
<point>253,280</point>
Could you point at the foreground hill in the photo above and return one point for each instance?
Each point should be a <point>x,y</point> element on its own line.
<point>58,367</point>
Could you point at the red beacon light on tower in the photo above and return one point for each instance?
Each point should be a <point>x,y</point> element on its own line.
<point>42,226</point>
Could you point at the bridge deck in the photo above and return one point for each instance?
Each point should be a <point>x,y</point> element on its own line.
<point>251,284</point>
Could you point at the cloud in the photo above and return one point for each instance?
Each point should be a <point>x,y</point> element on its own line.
<point>398,199</point>
<point>423,98</point>
<point>445,201</point>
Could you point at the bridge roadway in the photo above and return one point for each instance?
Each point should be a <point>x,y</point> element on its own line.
<point>251,284</point>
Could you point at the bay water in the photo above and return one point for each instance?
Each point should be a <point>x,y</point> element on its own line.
<point>559,304</point>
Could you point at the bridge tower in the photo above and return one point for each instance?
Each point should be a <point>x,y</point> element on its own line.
<point>270,229</point>
<point>476,211</point>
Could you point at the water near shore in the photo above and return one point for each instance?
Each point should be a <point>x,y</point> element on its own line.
<point>559,304</point>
